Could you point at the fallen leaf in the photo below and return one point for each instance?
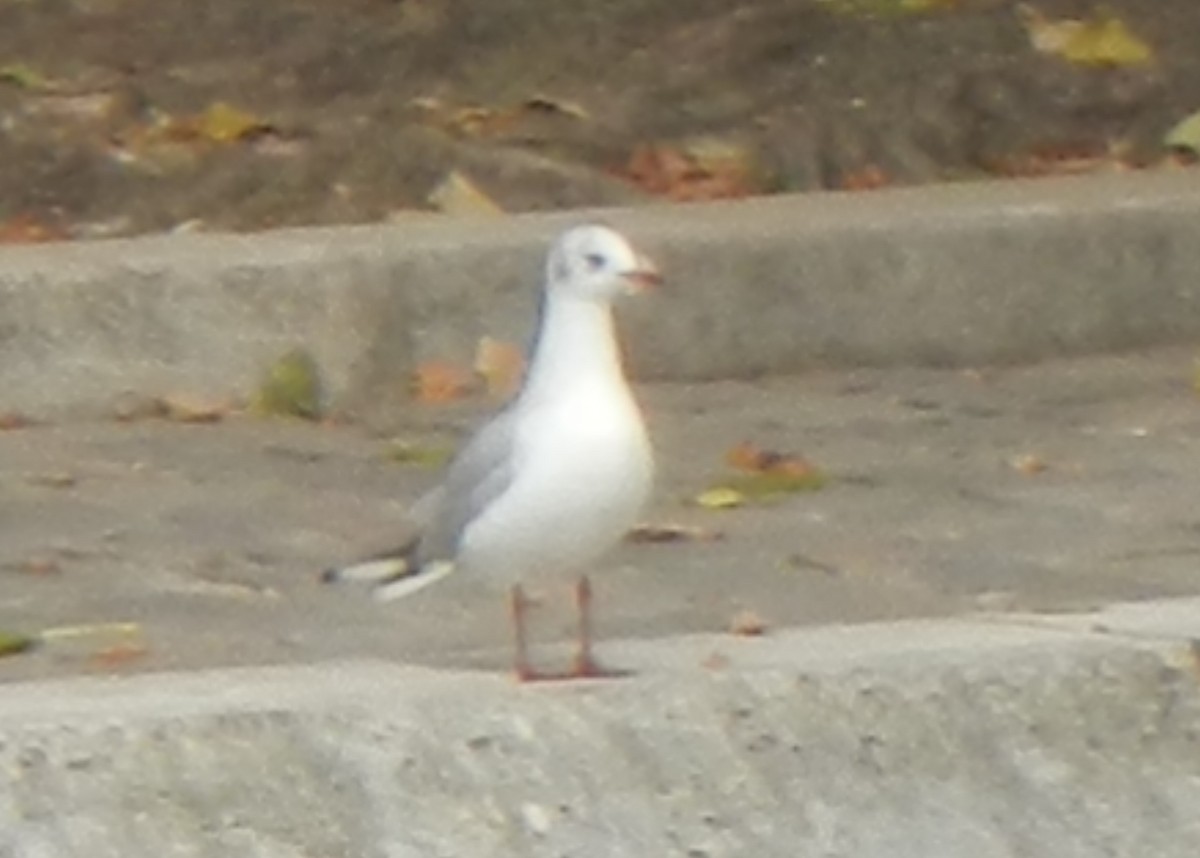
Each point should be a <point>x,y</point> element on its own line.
<point>1064,161</point>
<point>91,630</point>
<point>705,169</point>
<point>502,366</point>
<point>131,406</point>
<point>546,104</point>
<point>192,408</point>
<point>1103,40</point>
<point>1029,464</point>
<point>117,655</point>
<point>39,565</point>
<point>747,457</point>
<point>672,533</point>
<point>24,76</point>
<point>10,420</point>
<point>440,382</point>
<point>772,485</point>
<point>14,643</point>
<point>457,195</point>
<point>422,455</point>
<point>747,623</point>
<point>224,123</point>
<point>53,479</point>
<point>27,228</point>
<point>721,497</point>
<point>868,178</point>
<point>1185,135</point>
<point>290,387</point>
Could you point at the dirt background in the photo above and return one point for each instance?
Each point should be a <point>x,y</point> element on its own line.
<point>355,111</point>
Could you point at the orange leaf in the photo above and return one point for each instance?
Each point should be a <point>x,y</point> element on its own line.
<point>117,655</point>
<point>747,457</point>
<point>868,178</point>
<point>438,381</point>
<point>10,420</point>
<point>747,623</point>
<point>25,228</point>
<point>501,364</point>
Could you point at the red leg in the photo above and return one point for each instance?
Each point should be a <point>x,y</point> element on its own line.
<point>585,664</point>
<point>517,605</point>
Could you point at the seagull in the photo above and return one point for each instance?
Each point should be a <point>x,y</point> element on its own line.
<point>560,474</point>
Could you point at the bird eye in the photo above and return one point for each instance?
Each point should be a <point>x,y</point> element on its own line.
<point>594,261</point>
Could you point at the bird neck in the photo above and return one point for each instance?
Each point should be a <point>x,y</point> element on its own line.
<point>575,347</point>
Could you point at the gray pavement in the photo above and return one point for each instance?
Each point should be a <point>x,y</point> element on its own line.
<point>964,652</point>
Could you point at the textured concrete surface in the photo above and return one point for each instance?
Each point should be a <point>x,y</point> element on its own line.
<point>953,275</point>
<point>922,739</point>
<point>1042,714</point>
<point>209,538</point>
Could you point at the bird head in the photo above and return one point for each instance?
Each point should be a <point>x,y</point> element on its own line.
<point>598,263</point>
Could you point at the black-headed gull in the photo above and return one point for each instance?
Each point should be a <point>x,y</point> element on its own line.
<point>559,475</point>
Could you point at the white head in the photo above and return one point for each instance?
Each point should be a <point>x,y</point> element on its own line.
<point>597,263</point>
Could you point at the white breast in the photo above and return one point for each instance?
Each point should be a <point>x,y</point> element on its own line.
<point>584,472</point>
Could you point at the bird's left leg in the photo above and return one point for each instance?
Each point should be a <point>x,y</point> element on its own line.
<point>585,663</point>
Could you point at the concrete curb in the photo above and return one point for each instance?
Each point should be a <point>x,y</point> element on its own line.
<point>989,737</point>
<point>962,274</point>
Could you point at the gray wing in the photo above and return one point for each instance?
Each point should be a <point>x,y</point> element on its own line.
<point>480,473</point>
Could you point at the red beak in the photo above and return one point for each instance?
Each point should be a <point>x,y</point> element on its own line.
<point>644,277</point>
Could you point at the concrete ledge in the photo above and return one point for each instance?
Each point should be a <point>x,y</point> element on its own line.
<point>963,274</point>
<point>983,738</point>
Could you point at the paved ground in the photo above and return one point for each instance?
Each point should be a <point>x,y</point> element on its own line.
<point>209,538</point>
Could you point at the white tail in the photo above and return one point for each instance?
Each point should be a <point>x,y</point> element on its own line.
<point>370,571</point>
<point>401,585</point>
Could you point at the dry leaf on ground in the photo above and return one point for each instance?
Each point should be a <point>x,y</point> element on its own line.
<point>1185,135</point>
<point>1102,40</point>
<point>673,533</point>
<point>1029,464</point>
<point>501,364</point>
<point>720,497</point>
<point>194,408</point>
<point>747,623</point>
<point>437,382</point>
<point>14,643</point>
<point>747,457</point>
<point>10,420</point>
<point>458,195</point>
<point>291,387</point>
<point>27,228</point>
<point>701,170</point>
<point>407,452</point>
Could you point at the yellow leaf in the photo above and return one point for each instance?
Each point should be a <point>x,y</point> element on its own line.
<point>458,195</point>
<point>223,123</point>
<point>1185,134</point>
<point>672,533</point>
<point>12,643</point>
<point>501,364</point>
<point>191,408</point>
<point>773,484</point>
<point>1104,40</point>
<point>407,452</point>
<point>291,387</point>
<point>24,76</point>
<point>721,497</point>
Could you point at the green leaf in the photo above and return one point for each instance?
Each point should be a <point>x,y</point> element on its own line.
<point>290,388</point>
<point>1185,134</point>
